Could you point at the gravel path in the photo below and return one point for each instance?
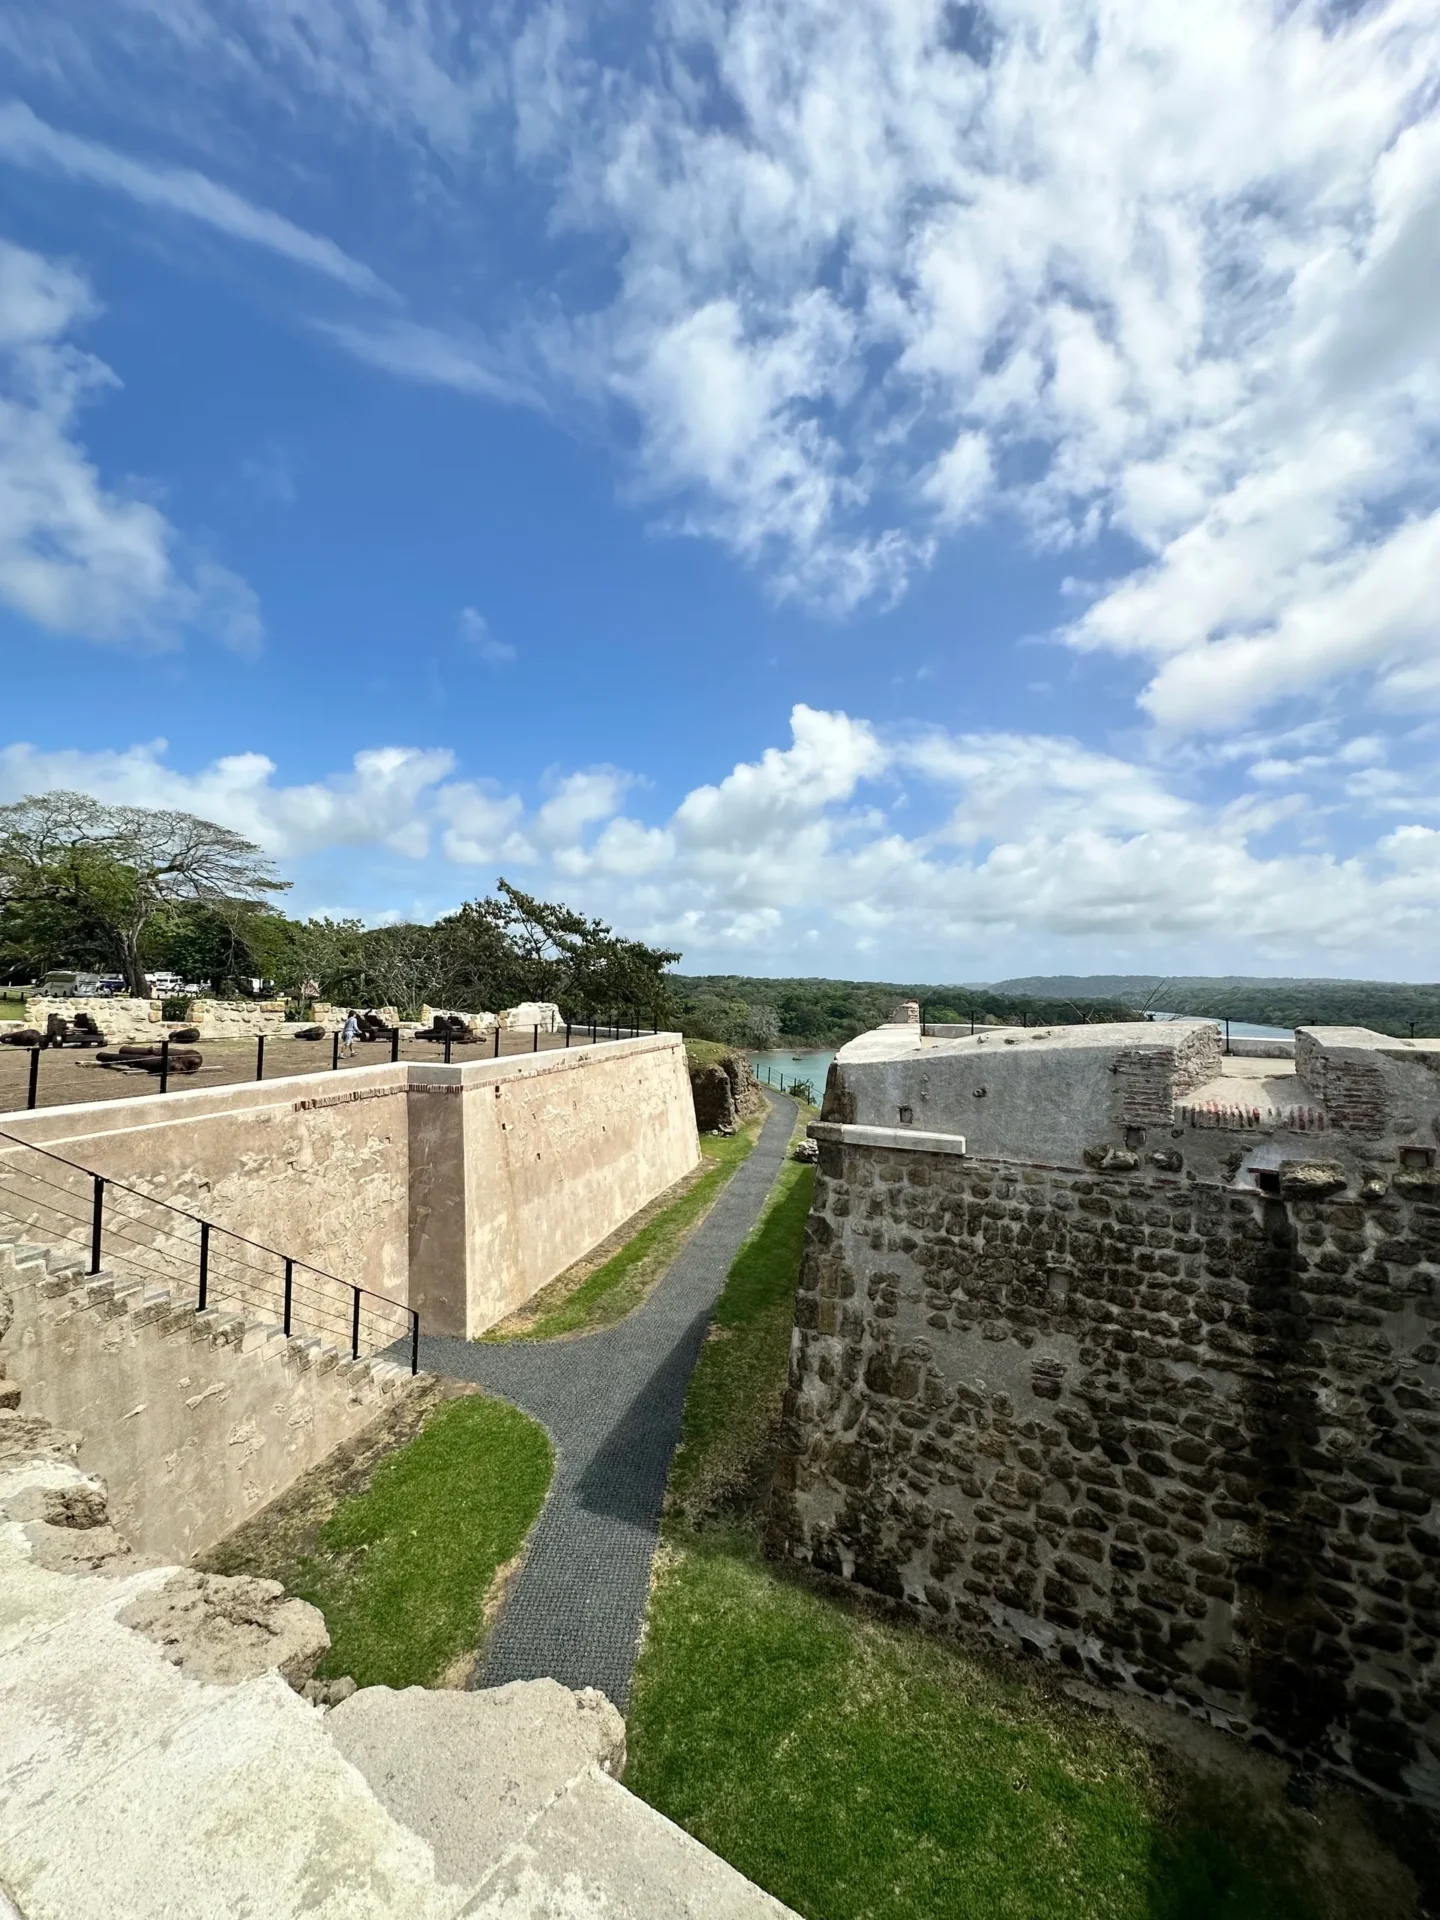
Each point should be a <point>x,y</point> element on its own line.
<point>611,1401</point>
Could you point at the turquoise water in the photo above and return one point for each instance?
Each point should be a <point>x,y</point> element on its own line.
<point>1239,1029</point>
<point>784,1067</point>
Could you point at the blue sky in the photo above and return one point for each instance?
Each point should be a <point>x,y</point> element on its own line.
<point>901,489</point>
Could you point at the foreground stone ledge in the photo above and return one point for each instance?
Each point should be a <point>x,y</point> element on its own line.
<point>157,1763</point>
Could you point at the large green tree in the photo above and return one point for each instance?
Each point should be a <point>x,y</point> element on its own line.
<point>513,946</point>
<point>81,881</point>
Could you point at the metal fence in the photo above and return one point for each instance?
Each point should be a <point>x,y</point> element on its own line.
<point>978,1021</point>
<point>44,1065</point>
<point>68,1206</point>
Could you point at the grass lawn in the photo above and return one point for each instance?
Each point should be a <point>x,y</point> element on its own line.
<point>401,1568</point>
<point>864,1770</point>
<point>608,1292</point>
<point>11,1009</point>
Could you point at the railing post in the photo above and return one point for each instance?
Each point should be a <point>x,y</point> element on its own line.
<point>335,1052</point>
<point>289,1291</point>
<point>395,1043</point>
<point>355,1326</point>
<point>448,1038</point>
<point>34,1093</point>
<point>535,1041</point>
<point>165,1064</point>
<point>259,1056</point>
<point>1227,1033</point>
<point>97,1215</point>
<point>567,1032</point>
<point>497,1039</point>
<point>204,1263</point>
<point>414,1341</point>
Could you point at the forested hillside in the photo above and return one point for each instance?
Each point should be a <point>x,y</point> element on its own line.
<point>1388,1006</point>
<point>746,1011</point>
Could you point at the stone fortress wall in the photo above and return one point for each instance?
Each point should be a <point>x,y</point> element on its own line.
<point>1124,1351</point>
<point>457,1190</point>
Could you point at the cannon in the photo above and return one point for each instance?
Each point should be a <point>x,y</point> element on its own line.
<point>149,1059</point>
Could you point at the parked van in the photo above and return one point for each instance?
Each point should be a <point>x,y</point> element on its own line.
<point>69,986</point>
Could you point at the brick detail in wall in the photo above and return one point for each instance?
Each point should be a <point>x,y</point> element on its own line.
<point>1351,1091</point>
<point>1174,1438</point>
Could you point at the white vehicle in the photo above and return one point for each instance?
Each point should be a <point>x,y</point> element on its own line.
<point>65,985</point>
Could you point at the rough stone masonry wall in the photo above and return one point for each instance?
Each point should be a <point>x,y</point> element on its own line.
<point>1174,1437</point>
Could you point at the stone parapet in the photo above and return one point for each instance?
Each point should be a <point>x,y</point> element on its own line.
<point>460,1190</point>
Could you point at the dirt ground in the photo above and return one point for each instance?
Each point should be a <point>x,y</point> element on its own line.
<point>69,1076</point>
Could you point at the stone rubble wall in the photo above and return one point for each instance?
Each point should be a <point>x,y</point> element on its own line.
<point>1173,1437</point>
<point>725,1093</point>
<point>123,1020</point>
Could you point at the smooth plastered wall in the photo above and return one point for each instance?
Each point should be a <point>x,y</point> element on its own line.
<point>458,1190</point>
<point>315,1170</point>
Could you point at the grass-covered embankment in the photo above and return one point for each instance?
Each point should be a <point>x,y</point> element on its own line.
<point>865,1770</point>
<point>400,1549</point>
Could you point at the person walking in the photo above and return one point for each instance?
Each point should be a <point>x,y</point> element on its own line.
<point>349,1034</point>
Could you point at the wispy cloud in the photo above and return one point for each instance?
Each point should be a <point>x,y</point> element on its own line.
<point>429,354</point>
<point>28,141</point>
<point>78,557</point>
<point>475,632</point>
<point>848,284</point>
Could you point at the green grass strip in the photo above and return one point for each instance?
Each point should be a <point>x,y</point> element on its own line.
<point>735,1391</point>
<point>401,1570</point>
<point>615,1288</point>
<point>864,1772</point>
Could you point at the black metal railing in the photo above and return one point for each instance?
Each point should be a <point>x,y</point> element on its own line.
<point>65,1204</point>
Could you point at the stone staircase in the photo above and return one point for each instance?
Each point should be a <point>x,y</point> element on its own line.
<point>194,1418</point>
<point>59,1272</point>
<point>157,1760</point>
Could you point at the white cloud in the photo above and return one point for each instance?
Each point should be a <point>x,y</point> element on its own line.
<point>1014,851</point>
<point>475,632</point>
<point>28,141</point>
<point>382,801</point>
<point>854,279</point>
<point>578,801</point>
<point>481,827</point>
<point>75,557</point>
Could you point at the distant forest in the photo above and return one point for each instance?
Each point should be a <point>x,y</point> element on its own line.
<point>762,1013</point>
<point>1387,1006</point>
<point>742,1010</point>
